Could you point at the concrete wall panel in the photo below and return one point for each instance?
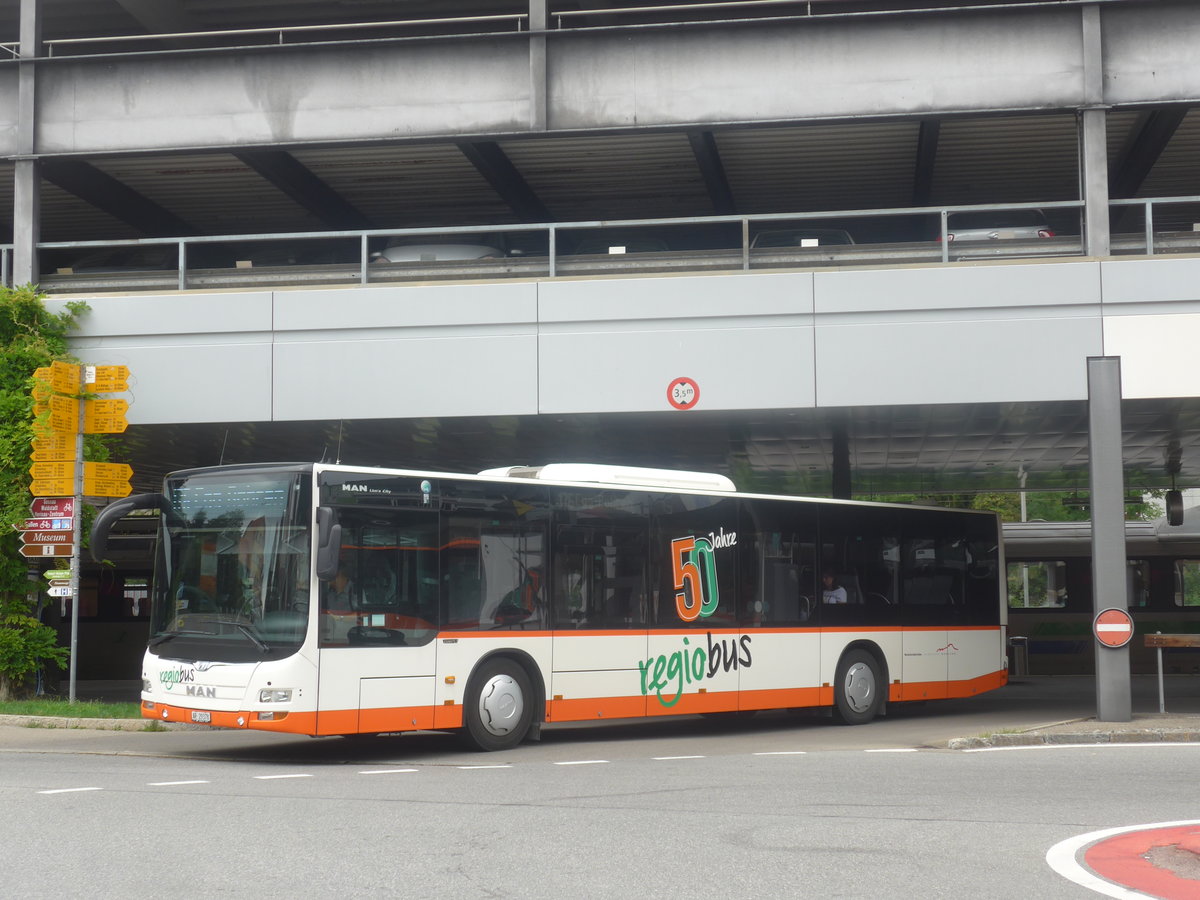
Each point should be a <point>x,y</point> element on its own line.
<point>114,319</point>
<point>640,300</point>
<point>735,368</point>
<point>403,351</point>
<point>1017,287</point>
<point>399,378</point>
<point>960,334</point>
<point>819,69</point>
<point>1143,281</point>
<point>194,357</point>
<point>1150,52</point>
<point>302,314</point>
<point>975,361</point>
<point>806,69</point>
<point>322,93</point>
<point>1158,354</point>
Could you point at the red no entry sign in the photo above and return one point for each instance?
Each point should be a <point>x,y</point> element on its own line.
<point>1113,627</point>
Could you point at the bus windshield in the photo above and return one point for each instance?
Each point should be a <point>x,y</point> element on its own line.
<point>232,581</point>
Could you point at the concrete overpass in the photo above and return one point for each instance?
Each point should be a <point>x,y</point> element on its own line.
<point>168,130</point>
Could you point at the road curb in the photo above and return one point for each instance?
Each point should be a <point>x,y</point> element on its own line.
<point>1141,736</point>
<point>95,724</point>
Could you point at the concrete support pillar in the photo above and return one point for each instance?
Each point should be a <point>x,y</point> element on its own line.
<point>538,20</point>
<point>1113,691</point>
<point>1093,139</point>
<point>26,178</point>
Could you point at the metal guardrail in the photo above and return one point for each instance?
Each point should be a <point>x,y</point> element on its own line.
<point>283,31</point>
<point>1147,204</point>
<point>552,262</point>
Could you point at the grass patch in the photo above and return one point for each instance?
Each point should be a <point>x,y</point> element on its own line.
<point>63,708</point>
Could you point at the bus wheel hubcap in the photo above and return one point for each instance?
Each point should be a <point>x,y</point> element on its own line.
<point>860,687</point>
<point>501,704</point>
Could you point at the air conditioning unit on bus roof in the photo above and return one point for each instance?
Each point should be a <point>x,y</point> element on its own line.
<point>630,475</point>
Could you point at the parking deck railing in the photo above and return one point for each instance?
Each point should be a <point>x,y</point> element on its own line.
<point>544,244</point>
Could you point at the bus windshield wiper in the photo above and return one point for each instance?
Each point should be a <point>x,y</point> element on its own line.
<point>171,635</point>
<point>249,632</point>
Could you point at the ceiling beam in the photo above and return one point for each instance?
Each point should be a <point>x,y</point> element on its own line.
<point>160,16</point>
<point>114,197</point>
<point>497,169</point>
<point>712,170</point>
<point>927,146</point>
<point>1149,138</point>
<point>300,184</point>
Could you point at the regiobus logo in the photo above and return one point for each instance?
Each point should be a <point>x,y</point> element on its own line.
<point>694,564</point>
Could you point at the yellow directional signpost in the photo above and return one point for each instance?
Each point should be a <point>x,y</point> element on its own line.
<point>104,416</point>
<point>63,401</point>
<point>106,379</point>
<point>106,479</point>
<point>53,448</point>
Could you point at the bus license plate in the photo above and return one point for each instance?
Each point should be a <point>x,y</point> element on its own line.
<point>201,716</point>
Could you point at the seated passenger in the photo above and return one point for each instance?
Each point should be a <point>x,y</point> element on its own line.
<point>831,591</point>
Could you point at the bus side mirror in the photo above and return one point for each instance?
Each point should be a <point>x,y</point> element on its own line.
<point>118,509</point>
<point>1174,507</point>
<point>329,543</point>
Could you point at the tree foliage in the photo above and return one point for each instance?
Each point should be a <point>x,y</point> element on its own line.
<point>30,337</point>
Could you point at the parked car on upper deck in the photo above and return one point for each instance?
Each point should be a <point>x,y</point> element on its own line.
<point>1000,224</point>
<point>438,248</point>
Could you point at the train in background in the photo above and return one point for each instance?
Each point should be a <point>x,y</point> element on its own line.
<point>1050,594</point>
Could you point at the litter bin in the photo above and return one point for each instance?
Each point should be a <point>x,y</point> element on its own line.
<point>1018,657</point>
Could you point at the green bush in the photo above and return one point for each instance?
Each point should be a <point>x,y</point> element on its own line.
<point>30,337</point>
<point>25,644</point>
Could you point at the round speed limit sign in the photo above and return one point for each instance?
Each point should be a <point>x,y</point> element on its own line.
<point>683,393</point>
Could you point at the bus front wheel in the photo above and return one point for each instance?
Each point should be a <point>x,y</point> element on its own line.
<point>856,692</point>
<point>499,708</point>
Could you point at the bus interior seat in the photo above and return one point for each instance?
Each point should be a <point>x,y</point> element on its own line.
<point>853,590</point>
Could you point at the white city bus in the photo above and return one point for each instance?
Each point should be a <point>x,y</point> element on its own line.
<point>334,600</point>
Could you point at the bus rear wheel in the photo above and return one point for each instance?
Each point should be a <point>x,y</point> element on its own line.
<point>499,707</point>
<point>856,691</point>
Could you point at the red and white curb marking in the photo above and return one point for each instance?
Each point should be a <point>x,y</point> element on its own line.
<point>1138,861</point>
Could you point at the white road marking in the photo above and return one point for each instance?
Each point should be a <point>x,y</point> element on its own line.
<point>782,753</point>
<point>70,790</point>
<point>385,771</point>
<point>273,777</point>
<point>172,783</point>
<point>661,758</point>
<point>1061,858</point>
<point>582,762</point>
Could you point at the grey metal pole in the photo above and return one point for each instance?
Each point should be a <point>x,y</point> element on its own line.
<point>1162,700</point>
<point>1113,690</point>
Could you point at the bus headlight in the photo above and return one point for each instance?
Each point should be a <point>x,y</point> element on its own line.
<point>275,695</point>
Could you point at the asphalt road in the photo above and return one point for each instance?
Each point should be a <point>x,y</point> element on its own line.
<point>738,814</point>
<point>780,805</point>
